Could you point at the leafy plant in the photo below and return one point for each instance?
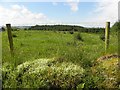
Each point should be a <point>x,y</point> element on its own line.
<point>14,35</point>
<point>102,37</point>
<point>71,32</point>
<point>8,76</point>
<point>80,86</point>
<point>78,37</point>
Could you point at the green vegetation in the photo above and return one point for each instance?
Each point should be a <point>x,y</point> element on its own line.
<point>107,69</point>
<point>66,28</point>
<point>58,59</point>
<point>46,73</point>
<point>115,27</point>
<point>78,37</point>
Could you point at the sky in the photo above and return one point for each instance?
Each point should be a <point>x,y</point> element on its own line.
<point>72,12</point>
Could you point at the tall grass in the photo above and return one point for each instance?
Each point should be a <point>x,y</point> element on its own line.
<point>32,45</point>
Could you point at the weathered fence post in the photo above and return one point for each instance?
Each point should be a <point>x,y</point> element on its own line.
<point>107,36</point>
<point>9,31</point>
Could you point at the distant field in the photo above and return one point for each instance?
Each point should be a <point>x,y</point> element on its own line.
<point>32,45</point>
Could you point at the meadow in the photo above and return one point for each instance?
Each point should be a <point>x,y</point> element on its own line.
<point>80,50</point>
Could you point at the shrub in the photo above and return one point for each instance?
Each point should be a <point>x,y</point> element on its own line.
<point>25,29</point>
<point>64,32</point>
<point>78,37</point>
<point>14,29</point>
<point>102,37</point>
<point>107,70</point>
<point>49,73</point>
<point>71,32</point>
<point>14,35</point>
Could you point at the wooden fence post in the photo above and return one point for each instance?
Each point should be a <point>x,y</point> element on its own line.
<point>9,31</point>
<point>107,36</point>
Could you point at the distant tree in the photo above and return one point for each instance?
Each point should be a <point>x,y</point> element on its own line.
<point>67,28</point>
<point>3,29</point>
<point>25,28</point>
<point>14,29</point>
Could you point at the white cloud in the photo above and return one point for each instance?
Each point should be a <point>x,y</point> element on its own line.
<point>73,4</point>
<point>55,3</point>
<point>105,11</point>
<point>20,15</point>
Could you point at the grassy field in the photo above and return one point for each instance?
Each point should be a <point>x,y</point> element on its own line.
<point>32,45</point>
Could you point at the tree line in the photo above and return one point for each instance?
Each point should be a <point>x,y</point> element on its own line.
<point>71,28</point>
<point>66,28</point>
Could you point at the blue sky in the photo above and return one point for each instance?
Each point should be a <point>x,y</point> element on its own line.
<point>61,11</point>
<point>55,12</point>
